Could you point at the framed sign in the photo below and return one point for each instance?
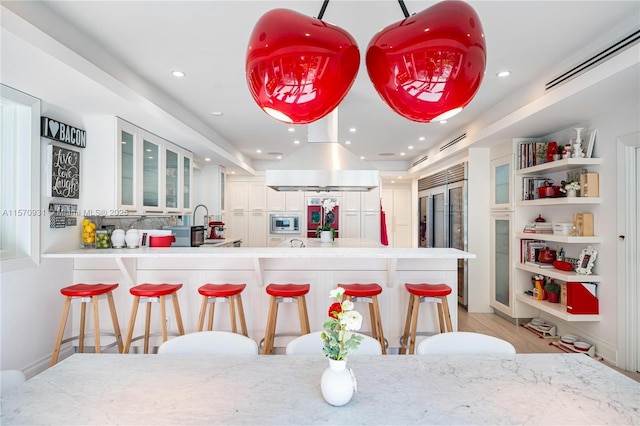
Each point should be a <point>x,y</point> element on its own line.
<point>587,260</point>
<point>64,133</point>
<point>63,172</point>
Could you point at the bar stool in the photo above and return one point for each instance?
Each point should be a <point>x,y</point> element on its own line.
<point>152,293</point>
<point>231,293</point>
<point>368,293</point>
<point>84,293</point>
<point>285,293</point>
<point>418,293</point>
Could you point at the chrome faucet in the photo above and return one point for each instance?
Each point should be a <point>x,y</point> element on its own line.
<point>297,240</point>
<point>205,218</point>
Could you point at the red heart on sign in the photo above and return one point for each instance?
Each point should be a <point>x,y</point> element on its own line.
<point>299,68</point>
<point>431,64</point>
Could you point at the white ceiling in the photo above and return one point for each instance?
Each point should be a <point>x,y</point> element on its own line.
<point>140,43</point>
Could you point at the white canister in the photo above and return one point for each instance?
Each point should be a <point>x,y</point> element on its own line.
<point>132,238</point>
<point>117,238</point>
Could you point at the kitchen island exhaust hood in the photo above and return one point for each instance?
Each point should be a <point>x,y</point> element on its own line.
<point>323,164</point>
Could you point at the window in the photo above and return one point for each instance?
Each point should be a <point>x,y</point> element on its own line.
<point>20,212</point>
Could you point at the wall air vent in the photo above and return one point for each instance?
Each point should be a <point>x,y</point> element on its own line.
<point>453,142</point>
<point>420,160</point>
<point>591,62</point>
<point>452,174</point>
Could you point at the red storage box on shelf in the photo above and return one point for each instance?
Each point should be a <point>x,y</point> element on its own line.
<point>582,298</point>
<point>161,240</point>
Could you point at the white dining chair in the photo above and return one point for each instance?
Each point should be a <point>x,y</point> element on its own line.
<point>463,342</point>
<point>10,379</point>
<point>210,342</point>
<point>311,344</point>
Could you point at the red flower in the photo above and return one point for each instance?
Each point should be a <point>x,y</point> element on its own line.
<point>335,309</point>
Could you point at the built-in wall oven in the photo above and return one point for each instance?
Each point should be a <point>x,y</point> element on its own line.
<point>443,209</point>
<point>285,223</point>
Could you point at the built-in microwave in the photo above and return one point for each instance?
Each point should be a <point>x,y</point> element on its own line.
<point>284,223</point>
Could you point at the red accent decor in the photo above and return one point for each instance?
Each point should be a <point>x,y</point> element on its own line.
<point>428,290</point>
<point>287,290</point>
<point>154,290</point>
<point>299,68</point>
<point>361,290</point>
<point>431,63</point>
<point>87,290</point>
<point>221,290</point>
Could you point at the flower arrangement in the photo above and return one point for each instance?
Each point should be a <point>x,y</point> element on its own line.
<point>570,186</point>
<point>339,342</point>
<point>327,207</point>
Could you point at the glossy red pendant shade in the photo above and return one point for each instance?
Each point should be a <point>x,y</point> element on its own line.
<point>299,68</point>
<point>430,65</point>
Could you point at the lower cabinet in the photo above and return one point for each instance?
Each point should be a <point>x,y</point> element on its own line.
<point>502,291</point>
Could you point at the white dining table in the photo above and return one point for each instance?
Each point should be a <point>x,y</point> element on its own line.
<point>104,389</point>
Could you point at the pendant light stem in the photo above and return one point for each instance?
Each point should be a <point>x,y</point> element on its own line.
<point>325,3</point>
<point>404,8</point>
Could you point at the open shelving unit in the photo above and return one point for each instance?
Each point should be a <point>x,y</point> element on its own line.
<point>556,309</point>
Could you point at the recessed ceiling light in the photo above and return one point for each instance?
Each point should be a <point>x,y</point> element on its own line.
<point>443,122</point>
<point>352,129</point>
<point>347,142</point>
<point>177,73</point>
<point>291,129</point>
<point>258,151</point>
<point>402,153</point>
<point>362,157</point>
<point>279,157</point>
<point>296,141</point>
<point>421,138</point>
<point>217,113</point>
<point>504,73</point>
<point>410,147</point>
<point>207,159</point>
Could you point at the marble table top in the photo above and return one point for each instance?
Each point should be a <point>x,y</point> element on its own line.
<point>394,389</point>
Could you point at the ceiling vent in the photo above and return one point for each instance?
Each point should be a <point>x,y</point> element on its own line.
<point>420,160</point>
<point>453,142</point>
<point>591,62</point>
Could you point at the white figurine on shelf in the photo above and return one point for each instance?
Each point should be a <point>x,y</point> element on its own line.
<point>577,146</point>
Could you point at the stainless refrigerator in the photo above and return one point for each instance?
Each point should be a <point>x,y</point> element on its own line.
<point>443,211</point>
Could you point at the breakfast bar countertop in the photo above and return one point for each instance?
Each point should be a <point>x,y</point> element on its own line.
<point>279,389</point>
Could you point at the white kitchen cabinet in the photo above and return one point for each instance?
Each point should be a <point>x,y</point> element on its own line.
<point>396,202</point>
<point>172,173</point>
<point>152,164</point>
<point>285,201</point>
<point>501,183</point>
<point>294,201</point>
<point>187,181</point>
<point>247,201</point>
<point>502,289</point>
<point>127,160</point>
<point>350,202</point>
<point>350,225</point>
<point>370,200</point>
<point>370,224</point>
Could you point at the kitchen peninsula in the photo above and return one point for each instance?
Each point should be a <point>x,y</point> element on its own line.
<point>323,265</point>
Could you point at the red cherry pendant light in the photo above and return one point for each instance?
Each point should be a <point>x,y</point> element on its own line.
<point>430,65</point>
<point>299,68</point>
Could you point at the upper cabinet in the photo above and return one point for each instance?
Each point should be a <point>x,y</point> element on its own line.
<point>152,175</point>
<point>285,201</point>
<point>502,178</point>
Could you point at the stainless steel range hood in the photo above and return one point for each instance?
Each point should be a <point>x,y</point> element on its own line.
<point>323,164</point>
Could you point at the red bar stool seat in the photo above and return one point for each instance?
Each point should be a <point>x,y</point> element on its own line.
<point>84,293</point>
<point>285,293</point>
<point>214,293</point>
<point>419,293</point>
<point>368,293</point>
<point>153,293</point>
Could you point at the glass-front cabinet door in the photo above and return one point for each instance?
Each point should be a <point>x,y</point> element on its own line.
<point>172,173</point>
<point>151,166</point>
<point>501,188</point>
<point>127,158</point>
<point>501,282</point>
<point>186,183</point>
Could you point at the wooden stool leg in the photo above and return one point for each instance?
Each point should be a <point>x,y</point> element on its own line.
<point>304,315</point>
<point>378,324</point>
<point>132,322</point>
<point>404,339</point>
<point>203,310</point>
<point>232,313</point>
<point>269,335</point>
<point>147,327</point>
<point>243,323</point>
<point>176,309</point>
<point>447,314</point>
<point>114,320</point>
<point>60,335</point>
<point>163,318</point>
<point>440,317</point>
<point>96,325</point>
<point>414,324</point>
<point>212,310</point>
<point>372,317</point>
<point>83,319</point>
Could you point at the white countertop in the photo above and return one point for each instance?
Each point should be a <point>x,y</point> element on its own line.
<point>257,389</point>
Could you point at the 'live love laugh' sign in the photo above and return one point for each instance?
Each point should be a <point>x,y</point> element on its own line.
<point>64,133</point>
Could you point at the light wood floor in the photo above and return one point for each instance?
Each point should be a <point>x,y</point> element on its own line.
<point>522,339</point>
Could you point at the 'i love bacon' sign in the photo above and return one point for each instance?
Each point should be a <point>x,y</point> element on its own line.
<point>64,133</point>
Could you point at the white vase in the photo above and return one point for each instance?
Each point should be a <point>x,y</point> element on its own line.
<point>338,383</point>
<point>571,193</point>
<point>325,236</point>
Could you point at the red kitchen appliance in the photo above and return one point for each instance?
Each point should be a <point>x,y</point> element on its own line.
<point>216,230</point>
<point>316,216</point>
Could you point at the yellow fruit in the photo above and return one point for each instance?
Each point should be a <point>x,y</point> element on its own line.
<point>92,225</point>
<point>85,222</point>
<point>85,235</point>
<point>90,239</point>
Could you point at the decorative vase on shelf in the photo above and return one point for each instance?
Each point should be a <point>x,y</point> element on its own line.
<point>325,236</point>
<point>571,193</point>
<point>552,149</point>
<point>577,146</point>
<point>338,383</point>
